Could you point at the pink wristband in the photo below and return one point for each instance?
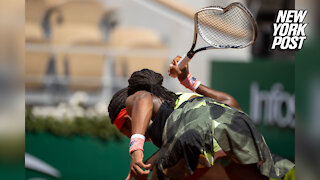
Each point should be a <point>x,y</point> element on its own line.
<point>190,82</point>
<point>136,142</point>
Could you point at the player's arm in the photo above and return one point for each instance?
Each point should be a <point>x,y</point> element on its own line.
<point>218,95</point>
<point>223,97</point>
<point>139,107</point>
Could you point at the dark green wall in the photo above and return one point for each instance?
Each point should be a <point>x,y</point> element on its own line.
<point>82,157</point>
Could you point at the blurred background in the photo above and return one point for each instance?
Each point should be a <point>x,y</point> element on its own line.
<point>78,53</point>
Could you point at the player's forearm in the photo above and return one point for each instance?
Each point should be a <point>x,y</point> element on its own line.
<point>190,82</point>
<point>217,95</point>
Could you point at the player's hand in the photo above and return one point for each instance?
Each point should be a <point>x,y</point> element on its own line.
<point>174,70</point>
<point>137,166</point>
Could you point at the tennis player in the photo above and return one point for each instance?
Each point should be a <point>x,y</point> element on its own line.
<point>191,130</point>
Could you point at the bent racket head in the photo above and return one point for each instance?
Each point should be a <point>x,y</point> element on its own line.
<point>229,27</point>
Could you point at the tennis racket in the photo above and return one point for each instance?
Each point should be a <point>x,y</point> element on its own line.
<point>229,27</point>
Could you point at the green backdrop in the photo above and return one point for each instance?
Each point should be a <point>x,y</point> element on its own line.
<point>82,157</point>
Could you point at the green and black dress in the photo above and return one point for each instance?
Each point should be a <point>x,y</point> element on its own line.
<point>200,127</point>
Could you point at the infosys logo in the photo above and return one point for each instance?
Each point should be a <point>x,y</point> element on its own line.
<point>272,107</point>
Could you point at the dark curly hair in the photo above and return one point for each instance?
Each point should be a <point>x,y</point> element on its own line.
<point>146,80</point>
<point>117,103</point>
<point>150,81</point>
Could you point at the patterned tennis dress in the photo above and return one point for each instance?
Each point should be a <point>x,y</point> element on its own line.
<point>200,127</point>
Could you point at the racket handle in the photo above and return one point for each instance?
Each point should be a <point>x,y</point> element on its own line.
<point>184,60</point>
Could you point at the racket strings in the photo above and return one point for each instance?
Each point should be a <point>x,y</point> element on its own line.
<point>232,28</point>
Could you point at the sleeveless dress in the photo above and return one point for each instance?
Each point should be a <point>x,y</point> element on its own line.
<point>199,127</point>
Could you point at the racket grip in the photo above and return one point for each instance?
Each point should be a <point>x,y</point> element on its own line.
<point>184,60</point>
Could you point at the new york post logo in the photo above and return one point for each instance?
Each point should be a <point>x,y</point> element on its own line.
<point>289,29</point>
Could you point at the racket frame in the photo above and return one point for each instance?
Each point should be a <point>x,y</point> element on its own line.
<point>187,57</point>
